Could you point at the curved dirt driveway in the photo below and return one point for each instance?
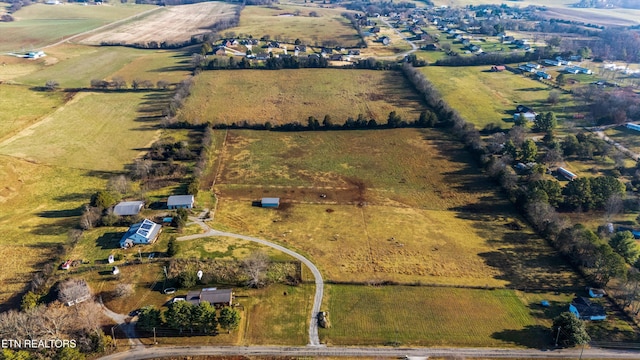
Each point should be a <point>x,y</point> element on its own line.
<point>314,340</point>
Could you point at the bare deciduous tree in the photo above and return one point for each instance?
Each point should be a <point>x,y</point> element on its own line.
<point>613,206</point>
<point>123,290</point>
<point>255,266</point>
<point>118,184</point>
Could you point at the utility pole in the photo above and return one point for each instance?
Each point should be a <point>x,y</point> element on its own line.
<point>154,336</point>
<point>113,336</point>
<point>558,336</point>
<point>581,351</point>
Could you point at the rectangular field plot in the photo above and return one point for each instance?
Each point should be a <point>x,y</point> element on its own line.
<point>96,131</point>
<point>483,97</point>
<point>170,24</point>
<point>390,205</point>
<point>39,24</point>
<point>426,316</point>
<point>312,25</point>
<point>286,96</point>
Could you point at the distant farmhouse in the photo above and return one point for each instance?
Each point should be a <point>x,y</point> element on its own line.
<point>180,202</point>
<point>145,232</point>
<point>128,208</point>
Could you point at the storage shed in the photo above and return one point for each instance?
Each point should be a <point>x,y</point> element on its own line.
<point>127,208</point>
<point>180,201</point>
<point>270,202</point>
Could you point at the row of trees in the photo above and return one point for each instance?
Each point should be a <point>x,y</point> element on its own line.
<point>119,83</point>
<point>202,319</point>
<point>594,256</point>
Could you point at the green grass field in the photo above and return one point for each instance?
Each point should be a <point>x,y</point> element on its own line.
<point>39,24</point>
<point>22,107</point>
<point>94,131</point>
<point>428,217</point>
<point>424,316</point>
<point>74,66</point>
<point>286,96</point>
<point>40,204</point>
<point>329,25</point>
<point>483,97</point>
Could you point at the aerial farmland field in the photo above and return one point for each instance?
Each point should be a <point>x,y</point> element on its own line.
<point>483,97</point>
<point>171,24</point>
<point>380,205</point>
<point>284,96</point>
<point>312,25</point>
<point>38,25</point>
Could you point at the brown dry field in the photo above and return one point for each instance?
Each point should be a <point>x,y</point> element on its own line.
<point>606,17</point>
<point>174,24</point>
<point>401,205</point>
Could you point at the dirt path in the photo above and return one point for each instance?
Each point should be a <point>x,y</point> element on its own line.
<point>618,146</point>
<point>314,340</point>
<point>128,327</point>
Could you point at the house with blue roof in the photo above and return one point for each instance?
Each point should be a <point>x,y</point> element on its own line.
<point>145,232</point>
<point>584,309</point>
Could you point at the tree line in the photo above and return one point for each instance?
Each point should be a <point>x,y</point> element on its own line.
<point>182,316</point>
<point>592,255</point>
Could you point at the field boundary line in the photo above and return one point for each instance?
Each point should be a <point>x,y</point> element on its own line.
<point>212,214</point>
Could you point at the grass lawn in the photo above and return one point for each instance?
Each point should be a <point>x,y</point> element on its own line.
<point>428,215</point>
<point>93,131</point>
<point>285,96</point>
<point>22,106</point>
<point>74,66</point>
<point>38,25</point>
<point>329,25</point>
<point>484,97</point>
<point>627,137</point>
<point>427,316</point>
<point>40,203</point>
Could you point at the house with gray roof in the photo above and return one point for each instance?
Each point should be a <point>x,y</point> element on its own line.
<point>180,201</point>
<point>214,296</point>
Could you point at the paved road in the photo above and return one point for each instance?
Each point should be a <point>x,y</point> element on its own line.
<point>314,340</point>
<point>414,47</point>
<point>157,352</point>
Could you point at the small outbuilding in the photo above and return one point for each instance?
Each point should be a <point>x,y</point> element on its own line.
<point>596,293</point>
<point>270,202</point>
<point>180,202</point>
<point>128,208</point>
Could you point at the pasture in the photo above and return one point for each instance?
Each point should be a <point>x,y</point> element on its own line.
<point>483,97</point>
<point>22,107</point>
<point>287,23</point>
<point>171,24</point>
<point>73,66</point>
<point>40,203</point>
<point>286,96</point>
<point>626,137</point>
<point>94,131</point>
<point>395,205</point>
<point>38,25</point>
<point>430,316</point>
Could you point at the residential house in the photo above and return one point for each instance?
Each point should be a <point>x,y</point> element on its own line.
<point>584,309</point>
<point>543,75</point>
<point>128,208</point>
<point>145,232</point>
<point>431,47</point>
<point>214,296</point>
<point>375,30</point>
<point>336,57</point>
<point>354,52</point>
<point>528,115</point>
<point>219,51</point>
<point>180,201</point>
<point>385,40</point>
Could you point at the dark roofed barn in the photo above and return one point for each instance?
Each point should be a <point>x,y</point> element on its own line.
<point>584,309</point>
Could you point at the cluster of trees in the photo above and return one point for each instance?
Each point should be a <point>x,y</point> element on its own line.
<point>356,22</point>
<point>198,319</point>
<point>99,211</point>
<point>55,321</point>
<point>119,83</point>
<point>370,8</point>
<point>165,150</point>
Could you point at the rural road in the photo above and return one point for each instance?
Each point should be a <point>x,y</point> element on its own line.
<point>618,146</point>
<point>414,47</point>
<point>302,351</point>
<point>314,340</point>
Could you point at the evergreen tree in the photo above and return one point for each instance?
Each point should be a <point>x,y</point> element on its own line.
<point>569,330</point>
<point>229,319</point>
